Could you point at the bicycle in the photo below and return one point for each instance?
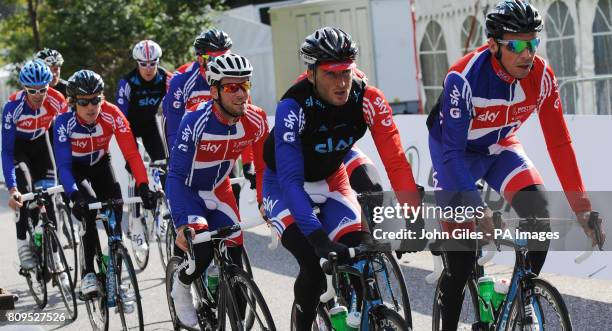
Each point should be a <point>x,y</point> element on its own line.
<point>356,287</point>
<point>69,232</point>
<point>51,260</point>
<point>523,307</point>
<point>117,283</point>
<point>236,303</point>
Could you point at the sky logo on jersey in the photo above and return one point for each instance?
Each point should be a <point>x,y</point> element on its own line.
<point>331,146</point>
<point>489,116</point>
<point>79,143</point>
<point>61,134</point>
<point>269,204</point>
<point>210,147</point>
<point>454,96</point>
<point>289,137</point>
<point>455,112</point>
<point>148,101</point>
<point>186,133</point>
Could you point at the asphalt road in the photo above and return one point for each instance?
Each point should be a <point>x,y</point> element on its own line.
<point>589,300</point>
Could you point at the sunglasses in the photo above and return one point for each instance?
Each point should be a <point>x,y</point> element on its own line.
<point>147,64</point>
<point>234,87</point>
<point>518,46</point>
<point>33,91</point>
<point>84,102</point>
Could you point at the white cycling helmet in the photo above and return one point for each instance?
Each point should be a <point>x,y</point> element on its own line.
<point>146,51</point>
<point>227,65</point>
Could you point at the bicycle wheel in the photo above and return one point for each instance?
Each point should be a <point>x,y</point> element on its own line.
<point>549,309</point>
<point>37,276</point>
<point>321,322</point>
<point>470,315</point>
<point>246,266</point>
<point>239,297</point>
<point>97,310</point>
<point>67,238</point>
<point>128,295</point>
<point>383,318</point>
<point>171,269</point>
<point>392,286</point>
<point>161,231</point>
<point>170,238</point>
<point>59,268</point>
<point>140,256</point>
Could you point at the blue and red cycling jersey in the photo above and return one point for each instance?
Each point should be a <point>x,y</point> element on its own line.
<point>204,154</point>
<point>482,108</point>
<point>21,121</point>
<point>86,144</point>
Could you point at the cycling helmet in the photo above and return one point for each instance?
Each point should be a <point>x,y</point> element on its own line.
<point>513,16</point>
<point>50,56</point>
<point>328,45</point>
<point>146,51</point>
<point>212,41</point>
<point>227,65</point>
<point>84,82</point>
<point>35,73</point>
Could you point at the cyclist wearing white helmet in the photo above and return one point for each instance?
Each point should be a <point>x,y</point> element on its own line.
<point>210,140</point>
<point>26,119</point>
<point>54,60</point>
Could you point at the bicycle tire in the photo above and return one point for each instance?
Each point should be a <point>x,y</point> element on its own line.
<point>542,291</point>
<point>239,280</point>
<point>405,309</point>
<point>162,242</point>
<point>320,323</point>
<point>63,213</point>
<point>67,294</point>
<point>383,318</point>
<point>246,266</point>
<point>470,318</point>
<point>141,258</point>
<point>36,277</point>
<point>171,268</point>
<point>122,256</point>
<point>97,310</point>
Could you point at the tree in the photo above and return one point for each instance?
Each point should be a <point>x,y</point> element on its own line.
<point>99,34</point>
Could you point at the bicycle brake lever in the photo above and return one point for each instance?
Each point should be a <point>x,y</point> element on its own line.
<point>594,225</point>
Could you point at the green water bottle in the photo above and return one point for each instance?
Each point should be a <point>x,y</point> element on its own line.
<point>38,232</point>
<point>485,295</point>
<point>212,279</point>
<point>105,258</point>
<point>500,289</point>
<point>338,316</point>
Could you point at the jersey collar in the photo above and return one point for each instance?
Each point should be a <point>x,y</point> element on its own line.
<point>221,118</point>
<point>500,71</point>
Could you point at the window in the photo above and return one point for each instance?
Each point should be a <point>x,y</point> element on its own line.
<point>602,46</point>
<point>434,64</point>
<point>561,50</point>
<point>473,29</point>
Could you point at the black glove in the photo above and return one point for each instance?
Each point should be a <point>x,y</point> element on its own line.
<point>79,205</point>
<point>147,196</point>
<point>249,173</point>
<point>323,246</point>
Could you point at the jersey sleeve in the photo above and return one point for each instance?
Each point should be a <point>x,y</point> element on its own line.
<point>173,107</point>
<point>9,133</point>
<point>257,152</point>
<point>455,115</point>
<point>379,117</point>
<point>62,149</point>
<point>559,143</point>
<point>127,145</point>
<point>180,168</point>
<point>123,96</point>
<point>288,124</point>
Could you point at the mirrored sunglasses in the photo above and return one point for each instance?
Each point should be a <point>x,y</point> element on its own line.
<point>234,87</point>
<point>518,46</point>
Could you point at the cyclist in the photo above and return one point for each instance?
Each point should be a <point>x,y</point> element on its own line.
<point>54,60</point>
<point>188,88</point>
<point>27,117</point>
<point>139,96</point>
<point>317,122</point>
<point>211,138</point>
<point>81,140</point>
<point>487,95</point>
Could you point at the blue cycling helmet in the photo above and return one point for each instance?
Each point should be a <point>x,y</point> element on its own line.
<point>35,73</point>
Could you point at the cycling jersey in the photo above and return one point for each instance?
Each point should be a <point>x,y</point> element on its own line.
<point>86,144</point>
<point>21,122</point>
<point>482,107</point>
<point>139,99</point>
<point>202,158</point>
<point>311,139</point>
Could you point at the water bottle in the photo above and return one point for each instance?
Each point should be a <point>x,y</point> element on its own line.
<point>38,232</point>
<point>500,289</point>
<point>105,258</point>
<point>212,279</point>
<point>485,294</point>
<point>338,315</point>
<point>353,320</point>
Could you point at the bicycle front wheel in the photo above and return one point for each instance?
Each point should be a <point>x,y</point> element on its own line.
<point>545,305</point>
<point>67,237</point>
<point>139,238</point>
<point>470,315</point>
<point>161,231</point>
<point>37,276</point>
<point>58,266</point>
<point>320,323</point>
<point>128,295</point>
<point>391,285</point>
<point>383,318</point>
<point>241,297</point>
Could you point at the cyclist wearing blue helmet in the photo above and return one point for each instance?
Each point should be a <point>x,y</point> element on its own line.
<point>26,152</point>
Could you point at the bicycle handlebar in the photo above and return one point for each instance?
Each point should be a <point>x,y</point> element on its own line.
<point>50,191</point>
<point>126,201</point>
